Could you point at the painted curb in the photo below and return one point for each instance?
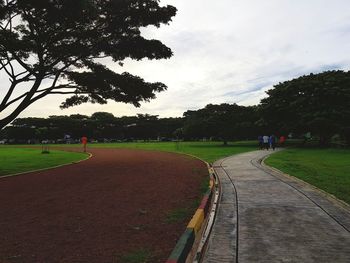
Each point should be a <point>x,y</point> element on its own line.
<point>329,196</point>
<point>183,247</point>
<point>205,204</point>
<point>196,221</point>
<point>190,239</point>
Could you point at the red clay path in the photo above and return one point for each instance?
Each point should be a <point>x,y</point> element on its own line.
<point>94,211</point>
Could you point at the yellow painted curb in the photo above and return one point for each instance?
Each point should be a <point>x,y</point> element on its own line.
<point>211,170</point>
<point>197,221</point>
<point>211,184</point>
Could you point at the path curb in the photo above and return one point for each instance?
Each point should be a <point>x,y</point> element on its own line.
<point>329,196</point>
<point>186,247</point>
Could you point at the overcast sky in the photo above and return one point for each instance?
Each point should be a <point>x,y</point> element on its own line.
<point>231,51</point>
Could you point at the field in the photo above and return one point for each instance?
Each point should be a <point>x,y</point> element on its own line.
<point>17,160</point>
<point>207,151</point>
<point>121,205</point>
<point>20,158</point>
<point>327,169</point>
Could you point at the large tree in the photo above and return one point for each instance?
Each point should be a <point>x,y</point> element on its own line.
<point>224,121</point>
<point>56,47</point>
<point>317,103</point>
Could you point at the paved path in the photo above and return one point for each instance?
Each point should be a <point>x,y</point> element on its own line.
<point>265,216</point>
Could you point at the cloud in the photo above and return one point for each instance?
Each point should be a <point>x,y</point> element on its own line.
<point>233,51</point>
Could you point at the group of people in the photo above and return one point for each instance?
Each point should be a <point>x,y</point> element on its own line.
<point>267,142</point>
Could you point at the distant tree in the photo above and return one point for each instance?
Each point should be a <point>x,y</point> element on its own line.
<point>197,125</point>
<point>144,127</point>
<point>30,122</point>
<point>224,121</point>
<point>103,116</point>
<point>317,103</point>
<point>103,125</point>
<point>24,129</point>
<point>170,127</point>
<point>53,47</point>
<point>346,133</point>
<point>59,126</point>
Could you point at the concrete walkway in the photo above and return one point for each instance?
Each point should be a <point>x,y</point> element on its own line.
<point>265,216</point>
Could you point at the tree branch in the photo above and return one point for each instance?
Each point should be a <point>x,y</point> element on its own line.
<point>3,66</point>
<point>13,101</point>
<point>24,104</point>
<point>7,96</point>
<point>66,92</point>
<point>24,72</point>
<point>24,65</point>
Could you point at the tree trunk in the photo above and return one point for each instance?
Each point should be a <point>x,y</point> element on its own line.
<point>324,140</point>
<point>2,124</point>
<point>22,105</point>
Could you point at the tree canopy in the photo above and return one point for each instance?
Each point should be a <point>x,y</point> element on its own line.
<point>101,126</point>
<point>317,103</point>
<point>224,121</point>
<point>56,47</point>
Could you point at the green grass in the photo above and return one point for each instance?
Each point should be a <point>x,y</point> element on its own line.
<point>137,256</point>
<point>179,214</point>
<point>17,160</point>
<point>327,169</point>
<point>208,151</point>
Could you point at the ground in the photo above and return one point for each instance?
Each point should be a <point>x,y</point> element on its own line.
<point>106,209</point>
<point>327,169</point>
<point>17,160</point>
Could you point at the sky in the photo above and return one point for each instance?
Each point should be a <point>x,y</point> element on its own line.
<point>230,51</point>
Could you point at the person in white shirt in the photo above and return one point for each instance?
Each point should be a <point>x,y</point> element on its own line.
<point>266,142</point>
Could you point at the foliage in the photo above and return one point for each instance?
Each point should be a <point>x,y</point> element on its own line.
<point>317,103</point>
<point>178,215</point>
<point>141,255</point>
<point>327,169</point>
<point>224,121</point>
<point>56,47</point>
<point>99,126</point>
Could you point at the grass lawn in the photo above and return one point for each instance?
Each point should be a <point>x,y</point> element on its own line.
<point>208,151</point>
<point>327,169</point>
<point>137,256</point>
<point>16,160</point>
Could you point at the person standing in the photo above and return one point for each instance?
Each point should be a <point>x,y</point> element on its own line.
<point>261,142</point>
<point>84,142</point>
<point>282,140</point>
<point>272,141</point>
<point>266,142</point>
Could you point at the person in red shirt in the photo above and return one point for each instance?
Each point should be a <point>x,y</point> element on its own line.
<point>84,142</point>
<point>282,140</point>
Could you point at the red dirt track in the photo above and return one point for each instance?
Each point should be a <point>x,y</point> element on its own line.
<point>94,211</point>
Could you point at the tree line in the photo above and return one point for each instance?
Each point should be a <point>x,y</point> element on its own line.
<point>100,126</point>
<point>316,104</point>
